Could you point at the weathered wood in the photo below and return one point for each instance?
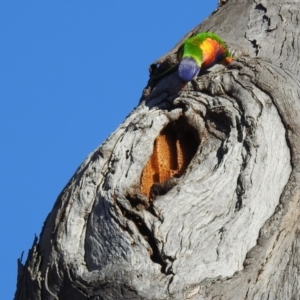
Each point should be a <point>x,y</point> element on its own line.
<point>228,227</point>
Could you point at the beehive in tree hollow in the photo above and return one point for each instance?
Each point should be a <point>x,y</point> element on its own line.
<point>173,150</point>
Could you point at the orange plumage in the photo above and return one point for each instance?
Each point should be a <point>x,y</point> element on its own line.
<point>201,51</point>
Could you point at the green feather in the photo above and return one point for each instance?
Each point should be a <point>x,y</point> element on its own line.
<point>191,46</point>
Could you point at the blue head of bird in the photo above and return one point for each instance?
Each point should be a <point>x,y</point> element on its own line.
<point>187,69</point>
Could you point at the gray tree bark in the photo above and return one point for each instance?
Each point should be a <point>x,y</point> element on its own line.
<point>197,194</point>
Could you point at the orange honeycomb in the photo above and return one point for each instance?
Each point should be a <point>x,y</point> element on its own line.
<point>173,150</point>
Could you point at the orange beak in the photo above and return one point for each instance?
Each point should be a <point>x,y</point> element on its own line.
<point>183,84</point>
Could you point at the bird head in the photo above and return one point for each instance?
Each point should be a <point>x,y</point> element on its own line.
<point>187,69</point>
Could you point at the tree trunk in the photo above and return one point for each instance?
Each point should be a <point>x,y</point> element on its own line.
<point>196,194</point>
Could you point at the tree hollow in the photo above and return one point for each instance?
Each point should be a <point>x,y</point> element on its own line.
<point>173,150</point>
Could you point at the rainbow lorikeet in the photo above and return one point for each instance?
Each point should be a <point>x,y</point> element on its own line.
<point>201,51</point>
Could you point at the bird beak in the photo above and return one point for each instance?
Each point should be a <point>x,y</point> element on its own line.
<point>183,84</point>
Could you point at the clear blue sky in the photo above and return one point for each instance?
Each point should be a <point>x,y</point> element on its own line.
<point>70,72</point>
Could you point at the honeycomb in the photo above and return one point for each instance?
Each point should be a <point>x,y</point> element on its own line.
<point>173,150</point>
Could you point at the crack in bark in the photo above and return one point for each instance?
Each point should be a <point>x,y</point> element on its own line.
<point>148,236</point>
<point>265,19</point>
<point>255,46</point>
<point>281,48</point>
<point>261,7</point>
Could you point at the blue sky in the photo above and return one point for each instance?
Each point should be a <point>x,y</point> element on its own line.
<point>70,72</point>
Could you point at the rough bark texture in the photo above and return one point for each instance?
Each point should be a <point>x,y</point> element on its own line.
<point>142,218</point>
